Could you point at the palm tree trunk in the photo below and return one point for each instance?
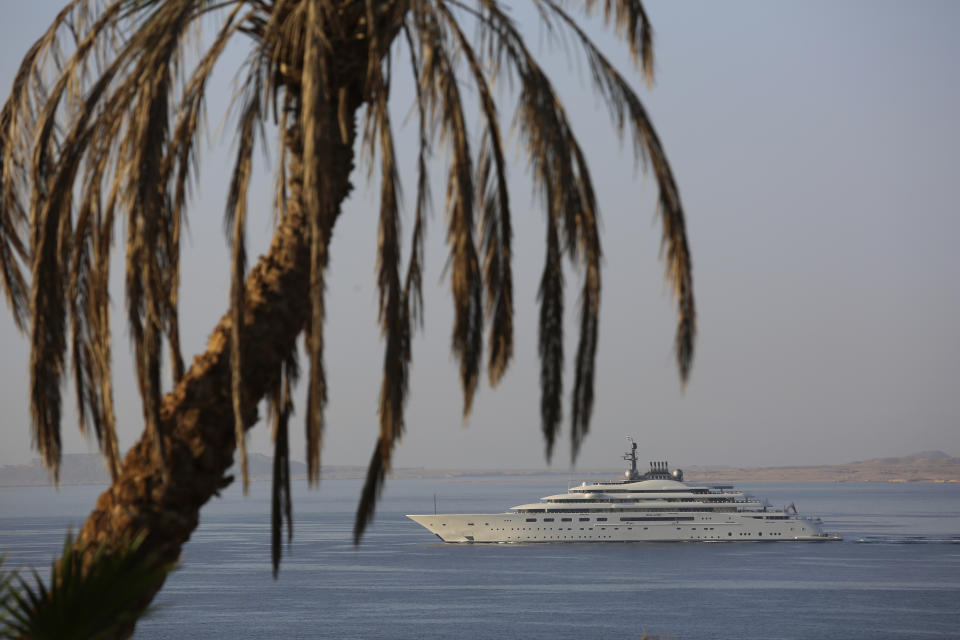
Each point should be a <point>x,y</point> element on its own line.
<point>197,416</point>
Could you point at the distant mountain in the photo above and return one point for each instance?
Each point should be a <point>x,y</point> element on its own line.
<point>930,455</point>
<point>926,466</point>
<point>75,468</point>
<point>88,468</point>
<point>260,467</point>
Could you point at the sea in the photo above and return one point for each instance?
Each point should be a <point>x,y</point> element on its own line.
<point>896,574</point>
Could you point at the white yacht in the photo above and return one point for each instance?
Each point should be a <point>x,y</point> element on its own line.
<point>656,506</point>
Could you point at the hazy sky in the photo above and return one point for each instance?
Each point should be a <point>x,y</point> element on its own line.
<point>817,148</point>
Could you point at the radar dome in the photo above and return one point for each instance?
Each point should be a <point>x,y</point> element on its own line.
<point>677,475</point>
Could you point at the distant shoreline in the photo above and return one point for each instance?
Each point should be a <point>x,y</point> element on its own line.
<point>926,467</point>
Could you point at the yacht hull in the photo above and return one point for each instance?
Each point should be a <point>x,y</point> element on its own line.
<point>585,527</point>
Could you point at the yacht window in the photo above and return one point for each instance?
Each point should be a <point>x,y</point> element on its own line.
<point>531,519</point>
<point>565,519</point>
<point>548,519</point>
<point>601,519</point>
<point>588,520</point>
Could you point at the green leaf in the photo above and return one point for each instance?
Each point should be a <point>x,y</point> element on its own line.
<point>110,595</point>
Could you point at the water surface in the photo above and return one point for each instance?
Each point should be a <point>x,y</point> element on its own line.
<point>896,575</point>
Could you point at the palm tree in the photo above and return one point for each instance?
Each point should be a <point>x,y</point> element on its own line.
<point>102,125</point>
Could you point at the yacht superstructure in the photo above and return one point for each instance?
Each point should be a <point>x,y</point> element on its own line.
<point>656,506</point>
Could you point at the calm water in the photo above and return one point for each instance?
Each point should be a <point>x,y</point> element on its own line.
<point>896,575</point>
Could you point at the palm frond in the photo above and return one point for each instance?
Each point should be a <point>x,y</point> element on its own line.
<point>235,216</point>
<point>561,171</point>
<point>394,315</point>
<point>7,579</point>
<point>17,119</point>
<point>627,110</point>
<point>96,600</point>
<point>54,165</point>
<point>78,297</point>
<point>146,197</point>
<point>281,501</point>
<point>630,19</point>
<point>315,101</point>
<point>441,89</point>
<point>494,205</point>
<point>179,165</point>
<point>550,339</point>
<point>372,487</point>
<point>413,284</point>
<point>13,220</point>
<point>49,168</point>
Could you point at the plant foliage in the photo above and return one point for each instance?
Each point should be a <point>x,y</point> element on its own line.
<point>79,603</point>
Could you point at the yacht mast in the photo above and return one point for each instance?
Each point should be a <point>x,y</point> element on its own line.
<point>631,457</point>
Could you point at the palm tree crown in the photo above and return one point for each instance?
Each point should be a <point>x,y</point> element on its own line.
<point>103,124</point>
